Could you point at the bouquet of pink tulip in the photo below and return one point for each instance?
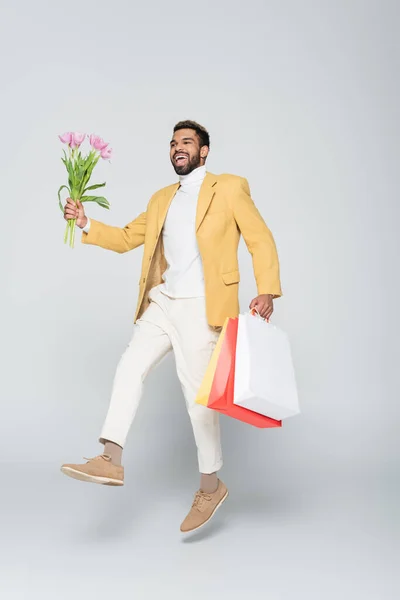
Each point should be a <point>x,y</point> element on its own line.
<point>79,170</point>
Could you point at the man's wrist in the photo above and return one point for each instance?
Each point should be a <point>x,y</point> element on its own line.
<point>86,226</point>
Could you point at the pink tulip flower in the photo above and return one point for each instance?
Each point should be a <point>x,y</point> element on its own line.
<point>106,153</point>
<point>77,139</point>
<point>97,142</point>
<point>66,137</point>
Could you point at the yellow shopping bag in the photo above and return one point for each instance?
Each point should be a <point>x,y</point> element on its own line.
<point>205,388</point>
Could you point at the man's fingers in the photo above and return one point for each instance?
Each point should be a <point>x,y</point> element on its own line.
<point>260,309</point>
<point>265,310</point>
<point>253,303</point>
<point>268,313</point>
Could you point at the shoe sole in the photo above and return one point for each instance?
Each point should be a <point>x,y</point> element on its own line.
<point>90,478</point>
<point>211,516</point>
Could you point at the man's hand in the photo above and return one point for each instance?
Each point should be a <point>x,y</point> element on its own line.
<point>264,304</point>
<point>75,211</point>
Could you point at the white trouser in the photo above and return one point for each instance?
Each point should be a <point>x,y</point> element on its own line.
<point>178,324</point>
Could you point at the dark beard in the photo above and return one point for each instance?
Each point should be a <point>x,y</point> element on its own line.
<point>191,165</point>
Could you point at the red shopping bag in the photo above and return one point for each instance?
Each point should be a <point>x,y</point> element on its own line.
<point>221,395</point>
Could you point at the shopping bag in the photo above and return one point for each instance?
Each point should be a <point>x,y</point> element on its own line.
<point>222,389</point>
<point>205,388</point>
<point>264,374</point>
<point>225,366</point>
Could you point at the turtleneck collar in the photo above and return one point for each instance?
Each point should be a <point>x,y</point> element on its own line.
<point>195,176</point>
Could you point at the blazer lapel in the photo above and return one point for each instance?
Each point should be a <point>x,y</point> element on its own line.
<point>163,206</point>
<point>206,193</point>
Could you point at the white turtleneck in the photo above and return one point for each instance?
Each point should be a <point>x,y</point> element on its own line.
<point>183,277</point>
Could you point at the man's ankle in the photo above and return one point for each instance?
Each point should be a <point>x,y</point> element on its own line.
<point>114,451</point>
<point>209,483</point>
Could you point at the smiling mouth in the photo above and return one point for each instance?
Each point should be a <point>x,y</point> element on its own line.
<point>180,158</point>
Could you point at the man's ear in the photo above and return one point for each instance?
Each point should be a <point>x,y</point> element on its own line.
<point>204,151</point>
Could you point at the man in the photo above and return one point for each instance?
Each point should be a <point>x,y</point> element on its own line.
<point>188,286</point>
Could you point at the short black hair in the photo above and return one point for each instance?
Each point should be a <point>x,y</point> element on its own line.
<point>201,131</point>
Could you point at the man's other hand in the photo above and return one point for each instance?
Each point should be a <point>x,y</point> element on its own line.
<point>264,305</point>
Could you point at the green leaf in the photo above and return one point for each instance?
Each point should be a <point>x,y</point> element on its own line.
<point>78,173</point>
<point>100,200</point>
<point>59,198</point>
<point>88,173</point>
<point>88,161</point>
<point>71,174</point>
<point>94,187</point>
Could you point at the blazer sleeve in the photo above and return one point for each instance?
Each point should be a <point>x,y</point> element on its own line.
<point>118,239</point>
<point>259,241</point>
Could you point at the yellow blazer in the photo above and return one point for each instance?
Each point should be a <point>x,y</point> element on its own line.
<point>225,210</point>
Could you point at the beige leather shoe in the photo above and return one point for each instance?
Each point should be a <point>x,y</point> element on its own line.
<point>99,469</point>
<point>204,507</point>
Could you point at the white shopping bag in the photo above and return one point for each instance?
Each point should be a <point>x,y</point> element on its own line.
<point>264,374</point>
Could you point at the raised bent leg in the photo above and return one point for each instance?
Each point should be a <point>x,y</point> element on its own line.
<point>148,346</point>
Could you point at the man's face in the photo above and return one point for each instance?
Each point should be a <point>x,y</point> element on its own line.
<point>185,152</point>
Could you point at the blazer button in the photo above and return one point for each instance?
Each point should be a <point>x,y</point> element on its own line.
<point>144,279</point>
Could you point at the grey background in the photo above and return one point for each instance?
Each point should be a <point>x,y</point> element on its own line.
<point>302,99</point>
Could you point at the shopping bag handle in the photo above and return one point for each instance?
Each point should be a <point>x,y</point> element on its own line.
<point>254,310</point>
